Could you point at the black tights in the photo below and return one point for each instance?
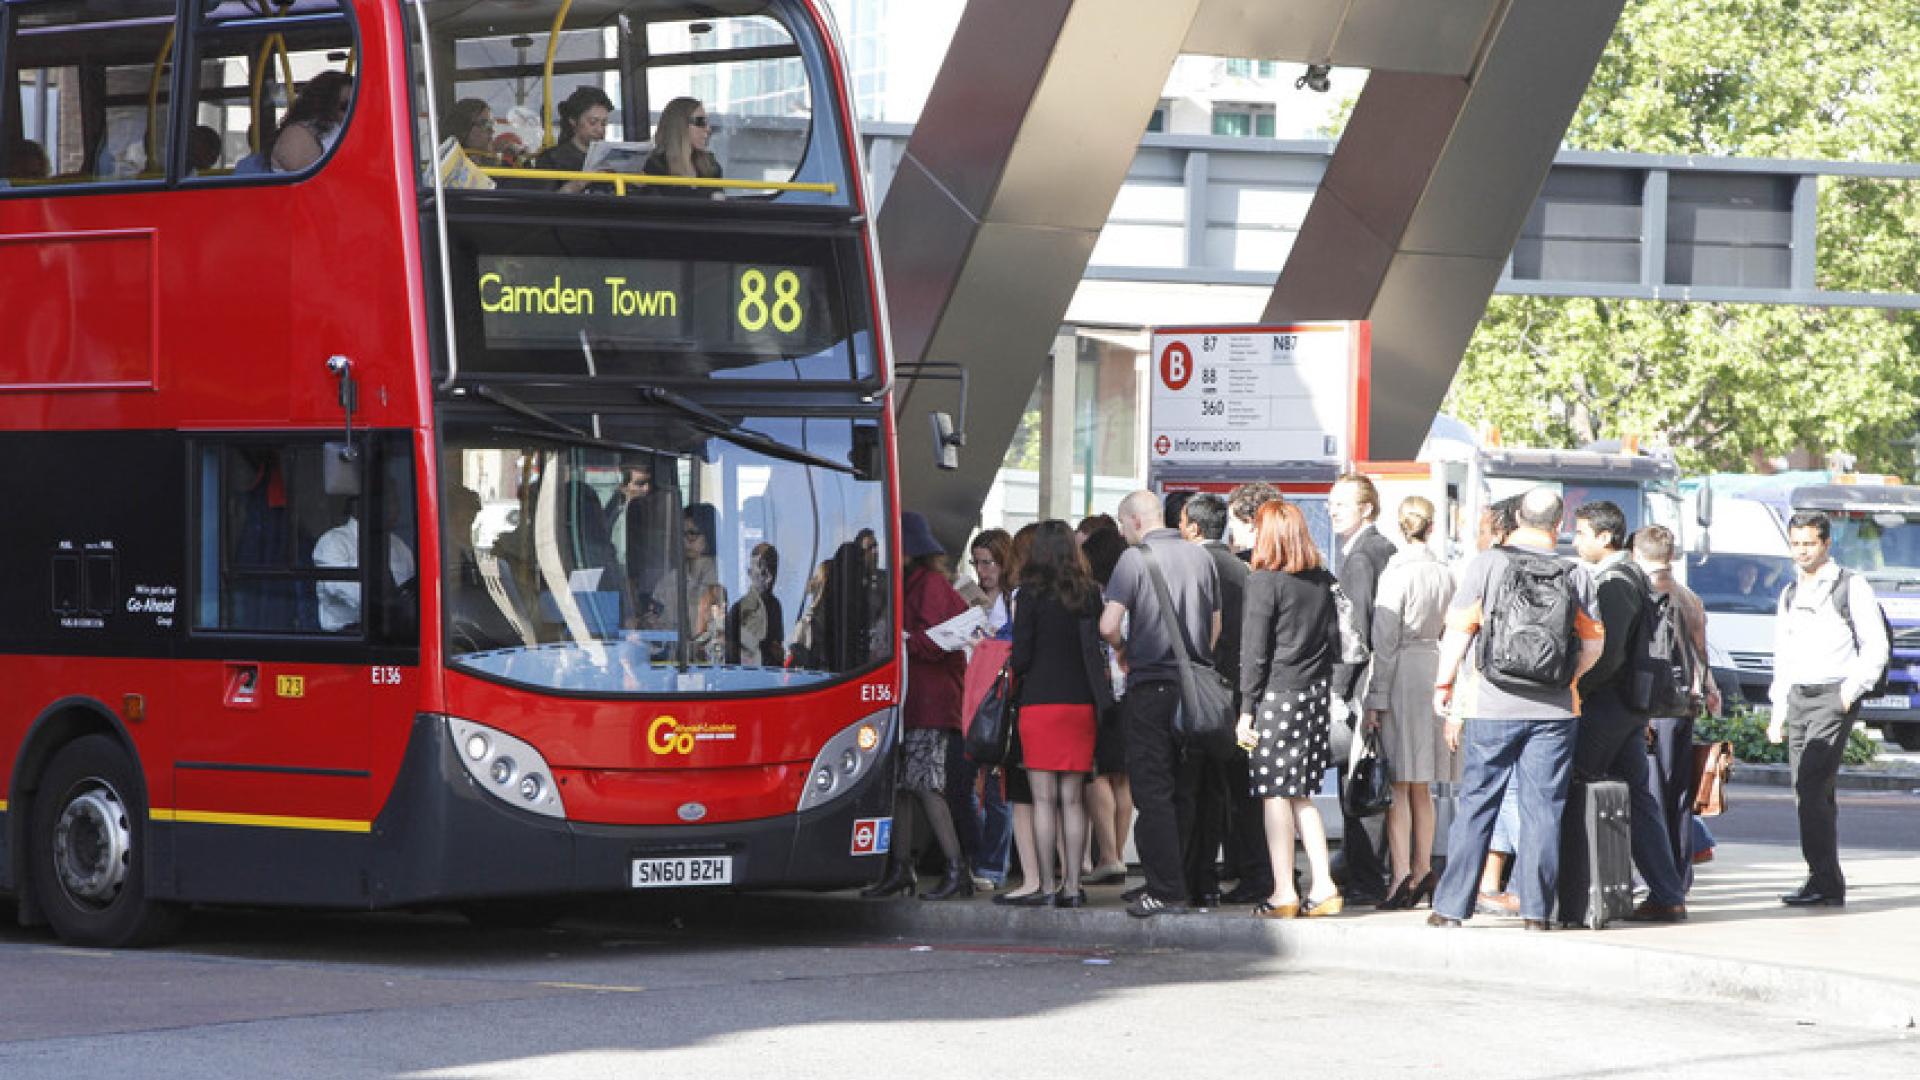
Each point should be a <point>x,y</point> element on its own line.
<point>933,805</point>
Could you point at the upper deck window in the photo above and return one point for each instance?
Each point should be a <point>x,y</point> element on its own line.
<point>270,91</point>
<point>91,96</point>
<point>709,100</point>
<point>89,100</point>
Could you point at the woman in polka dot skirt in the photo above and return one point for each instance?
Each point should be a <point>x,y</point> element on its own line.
<point>1288,644</point>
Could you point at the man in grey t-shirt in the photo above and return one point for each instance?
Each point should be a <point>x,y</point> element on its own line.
<point>1510,736</point>
<point>1164,779</point>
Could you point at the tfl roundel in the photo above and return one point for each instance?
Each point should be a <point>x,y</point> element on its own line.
<point>1161,445</point>
<point>1176,365</point>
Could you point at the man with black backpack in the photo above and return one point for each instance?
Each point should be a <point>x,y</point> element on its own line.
<point>1529,620</point>
<point>1616,695</point>
<point>1687,688</point>
<point>1830,650</point>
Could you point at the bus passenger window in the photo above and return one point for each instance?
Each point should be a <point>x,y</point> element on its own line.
<point>271,93</point>
<point>279,539</point>
<point>91,93</point>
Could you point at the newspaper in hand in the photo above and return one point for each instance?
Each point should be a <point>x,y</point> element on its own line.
<point>457,170</point>
<point>960,631</point>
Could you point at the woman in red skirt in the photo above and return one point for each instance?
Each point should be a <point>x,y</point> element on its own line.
<point>1062,682</point>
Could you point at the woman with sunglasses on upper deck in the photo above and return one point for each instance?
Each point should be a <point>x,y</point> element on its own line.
<point>680,149</point>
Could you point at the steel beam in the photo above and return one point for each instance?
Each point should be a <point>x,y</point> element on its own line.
<point>995,206</point>
<point>1425,196</point>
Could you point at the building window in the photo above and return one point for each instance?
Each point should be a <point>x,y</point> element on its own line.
<point>1240,68</point>
<point>1242,120</point>
<point>1158,121</point>
<point>1268,69</point>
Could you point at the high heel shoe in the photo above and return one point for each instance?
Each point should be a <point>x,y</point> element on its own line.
<point>1401,898</point>
<point>1276,911</point>
<point>957,881</point>
<point>1075,899</point>
<point>1423,892</point>
<point>898,878</point>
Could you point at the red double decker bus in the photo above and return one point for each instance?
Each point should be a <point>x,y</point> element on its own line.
<point>448,456</point>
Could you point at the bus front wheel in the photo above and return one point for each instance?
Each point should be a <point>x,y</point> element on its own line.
<point>89,849</point>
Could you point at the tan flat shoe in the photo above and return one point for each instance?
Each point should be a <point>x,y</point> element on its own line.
<point>1332,905</point>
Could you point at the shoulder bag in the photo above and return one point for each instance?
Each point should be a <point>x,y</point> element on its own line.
<point>1712,764</point>
<point>1206,700</point>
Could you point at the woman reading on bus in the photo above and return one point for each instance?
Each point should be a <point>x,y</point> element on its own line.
<point>680,148</point>
<point>470,122</point>
<point>313,124</point>
<point>583,122</point>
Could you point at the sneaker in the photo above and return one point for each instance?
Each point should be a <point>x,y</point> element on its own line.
<point>1147,905</point>
<point>1110,874</point>
<point>1134,893</point>
<point>983,883</point>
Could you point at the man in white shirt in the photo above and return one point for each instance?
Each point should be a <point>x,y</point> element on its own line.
<point>340,547</point>
<point>1828,652</point>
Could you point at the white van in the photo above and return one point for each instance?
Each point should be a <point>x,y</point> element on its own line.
<point>1738,573</point>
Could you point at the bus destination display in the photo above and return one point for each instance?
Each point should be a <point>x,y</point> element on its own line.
<point>536,302</point>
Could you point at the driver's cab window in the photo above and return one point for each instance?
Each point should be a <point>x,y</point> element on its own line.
<point>285,527</point>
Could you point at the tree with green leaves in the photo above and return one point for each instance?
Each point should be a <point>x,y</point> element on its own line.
<point>1818,79</point>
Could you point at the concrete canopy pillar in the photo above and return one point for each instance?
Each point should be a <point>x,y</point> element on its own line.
<point>1426,195</point>
<point>995,207</point>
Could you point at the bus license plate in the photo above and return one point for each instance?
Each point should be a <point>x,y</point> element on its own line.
<point>681,873</point>
<point>1889,701</point>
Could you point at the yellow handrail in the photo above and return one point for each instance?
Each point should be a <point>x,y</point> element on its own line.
<point>621,180</point>
<point>153,91</point>
<point>260,73</point>
<point>547,137</point>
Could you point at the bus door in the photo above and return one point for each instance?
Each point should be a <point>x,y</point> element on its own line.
<point>306,625</point>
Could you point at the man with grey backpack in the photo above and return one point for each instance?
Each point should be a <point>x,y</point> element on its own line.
<point>1830,648</point>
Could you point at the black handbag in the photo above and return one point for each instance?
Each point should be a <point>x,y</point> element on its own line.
<point>1369,787</point>
<point>1206,698</point>
<point>990,732</point>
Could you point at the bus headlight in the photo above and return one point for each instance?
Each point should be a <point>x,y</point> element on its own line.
<point>507,768</point>
<point>847,757</point>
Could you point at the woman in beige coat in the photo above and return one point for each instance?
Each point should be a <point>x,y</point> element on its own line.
<point>1409,615</point>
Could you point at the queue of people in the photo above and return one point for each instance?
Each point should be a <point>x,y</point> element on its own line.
<point>1098,624</point>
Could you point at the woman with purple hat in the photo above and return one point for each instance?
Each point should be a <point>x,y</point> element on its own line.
<point>931,714</point>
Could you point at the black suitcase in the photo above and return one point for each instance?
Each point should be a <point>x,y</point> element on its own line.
<point>1596,855</point>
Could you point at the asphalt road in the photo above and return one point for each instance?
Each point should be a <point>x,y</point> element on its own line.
<point>1882,820</point>
<point>257,995</point>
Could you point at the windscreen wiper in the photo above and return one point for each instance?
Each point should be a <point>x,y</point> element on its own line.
<point>560,429</point>
<point>714,424</point>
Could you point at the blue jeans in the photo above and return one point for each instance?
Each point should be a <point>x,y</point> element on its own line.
<point>985,827</point>
<point>1537,757</point>
<point>1506,825</point>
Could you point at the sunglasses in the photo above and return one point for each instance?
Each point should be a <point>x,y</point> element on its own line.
<point>698,121</point>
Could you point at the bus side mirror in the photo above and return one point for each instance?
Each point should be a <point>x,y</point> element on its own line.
<point>946,441</point>
<point>1703,504</point>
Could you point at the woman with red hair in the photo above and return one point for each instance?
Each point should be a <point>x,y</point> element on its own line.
<point>1289,640</point>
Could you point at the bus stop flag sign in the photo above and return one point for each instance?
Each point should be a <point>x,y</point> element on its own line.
<point>1234,397</point>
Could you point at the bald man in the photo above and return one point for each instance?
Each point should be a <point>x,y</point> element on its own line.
<point>1164,776</point>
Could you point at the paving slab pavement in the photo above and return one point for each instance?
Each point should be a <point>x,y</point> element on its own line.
<point>1859,964</point>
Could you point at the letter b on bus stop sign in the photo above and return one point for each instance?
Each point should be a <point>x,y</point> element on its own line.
<point>1176,365</point>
